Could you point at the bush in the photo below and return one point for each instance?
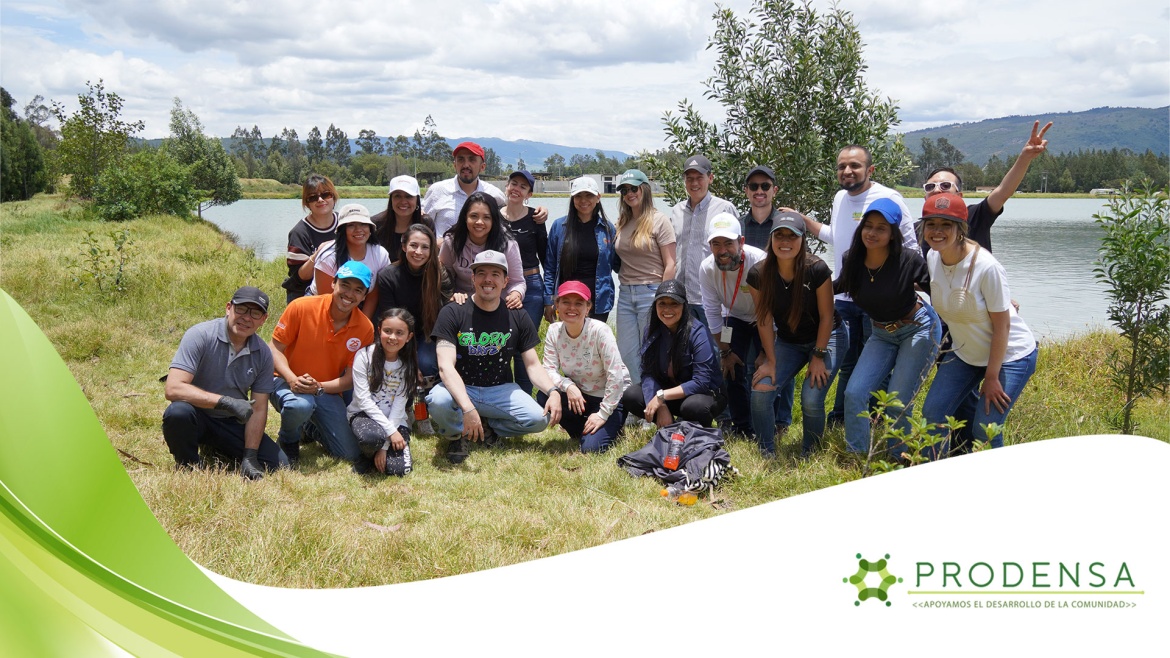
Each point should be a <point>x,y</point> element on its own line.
<point>148,182</point>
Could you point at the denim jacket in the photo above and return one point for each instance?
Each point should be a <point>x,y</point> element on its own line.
<point>700,372</point>
<point>606,262</point>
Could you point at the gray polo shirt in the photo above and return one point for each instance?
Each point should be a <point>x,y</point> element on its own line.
<point>206,353</point>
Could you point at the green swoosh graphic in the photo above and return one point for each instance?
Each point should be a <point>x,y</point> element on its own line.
<point>85,568</point>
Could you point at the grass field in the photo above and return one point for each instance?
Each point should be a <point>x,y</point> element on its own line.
<point>324,526</point>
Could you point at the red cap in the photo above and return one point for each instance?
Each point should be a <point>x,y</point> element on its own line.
<point>945,206</point>
<point>475,149</point>
<point>574,288</point>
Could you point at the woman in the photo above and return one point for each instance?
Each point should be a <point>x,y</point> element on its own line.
<point>645,244</point>
<point>581,248</point>
<point>480,227</point>
<point>354,241</point>
<point>318,196</point>
<point>679,365</point>
<point>532,241</point>
<point>994,353</point>
<point>384,381</point>
<point>417,284</point>
<point>793,288</point>
<point>582,359</point>
<point>403,209</point>
<point>881,277</point>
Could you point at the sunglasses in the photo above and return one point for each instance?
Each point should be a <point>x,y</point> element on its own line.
<point>759,186</point>
<point>943,186</point>
<point>628,189</point>
<point>324,196</point>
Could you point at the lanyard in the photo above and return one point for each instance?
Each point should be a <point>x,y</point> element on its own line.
<point>735,294</point>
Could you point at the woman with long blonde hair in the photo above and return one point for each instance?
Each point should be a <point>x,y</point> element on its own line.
<point>645,246</point>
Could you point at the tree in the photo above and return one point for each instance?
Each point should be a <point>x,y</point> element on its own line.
<point>493,163</point>
<point>294,157</point>
<point>368,142</point>
<point>22,163</point>
<point>337,146</point>
<point>934,155</point>
<point>147,182</point>
<point>520,164</point>
<point>212,175</point>
<point>791,85</point>
<point>36,116</point>
<point>1134,262</point>
<point>553,163</point>
<point>315,148</point>
<point>92,138</point>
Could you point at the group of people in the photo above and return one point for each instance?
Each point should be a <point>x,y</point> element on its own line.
<point>430,311</point>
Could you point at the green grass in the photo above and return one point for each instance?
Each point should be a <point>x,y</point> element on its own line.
<point>324,526</point>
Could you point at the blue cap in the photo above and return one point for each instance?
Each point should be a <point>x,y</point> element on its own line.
<point>527,176</point>
<point>355,269</point>
<point>888,208</point>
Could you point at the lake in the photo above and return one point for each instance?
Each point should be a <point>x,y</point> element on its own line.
<point>1047,246</point>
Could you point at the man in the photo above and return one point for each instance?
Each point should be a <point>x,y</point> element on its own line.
<point>981,216</point>
<point>445,198</point>
<point>858,190</point>
<point>475,344</point>
<point>756,227</point>
<point>731,312</point>
<point>689,218</point>
<point>312,349</point>
<point>217,364</point>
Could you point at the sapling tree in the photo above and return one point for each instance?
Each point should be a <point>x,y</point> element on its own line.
<point>1134,263</point>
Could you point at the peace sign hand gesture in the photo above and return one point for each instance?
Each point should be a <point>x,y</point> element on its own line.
<point>1036,143</point>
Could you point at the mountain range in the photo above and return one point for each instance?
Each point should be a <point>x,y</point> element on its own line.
<point>533,153</point>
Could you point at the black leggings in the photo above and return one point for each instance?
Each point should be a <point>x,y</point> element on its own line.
<point>699,408</point>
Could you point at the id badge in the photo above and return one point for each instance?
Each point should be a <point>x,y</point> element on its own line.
<point>725,335</point>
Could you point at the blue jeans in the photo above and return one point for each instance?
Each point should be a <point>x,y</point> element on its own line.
<point>327,412</point>
<point>635,303</point>
<point>504,408</point>
<point>791,358</point>
<point>858,325</point>
<point>956,385</point>
<point>906,356</point>
<point>534,307</point>
<point>428,360</point>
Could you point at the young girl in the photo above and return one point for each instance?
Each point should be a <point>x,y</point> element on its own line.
<point>385,376</point>
<point>793,288</point>
<point>881,277</point>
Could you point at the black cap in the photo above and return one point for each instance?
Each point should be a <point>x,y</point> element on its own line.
<point>251,295</point>
<point>672,288</point>
<point>760,169</point>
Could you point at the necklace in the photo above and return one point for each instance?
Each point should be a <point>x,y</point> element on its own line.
<point>873,273</point>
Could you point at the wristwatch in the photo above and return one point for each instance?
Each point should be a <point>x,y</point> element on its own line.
<point>819,353</point>
<point>320,390</point>
<point>661,395</point>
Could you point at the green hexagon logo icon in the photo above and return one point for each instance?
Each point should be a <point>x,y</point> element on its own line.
<point>861,579</point>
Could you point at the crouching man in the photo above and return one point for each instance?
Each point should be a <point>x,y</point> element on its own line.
<point>313,347</point>
<point>478,399</point>
<point>218,363</point>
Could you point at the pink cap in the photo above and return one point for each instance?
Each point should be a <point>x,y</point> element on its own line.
<point>574,288</point>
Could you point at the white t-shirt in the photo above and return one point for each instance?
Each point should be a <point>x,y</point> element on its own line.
<point>966,314</point>
<point>848,211</point>
<point>376,258</point>
<point>718,289</point>
<point>387,405</point>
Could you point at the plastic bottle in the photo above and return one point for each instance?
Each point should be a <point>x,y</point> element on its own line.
<point>676,494</point>
<point>420,410</point>
<point>670,461</point>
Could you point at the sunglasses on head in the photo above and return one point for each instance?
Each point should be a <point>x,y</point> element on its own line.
<point>943,186</point>
<point>314,198</point>
<point>759,186</point>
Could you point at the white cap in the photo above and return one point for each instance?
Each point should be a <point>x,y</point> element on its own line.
<point>723,225</point>
<point>403,184</point>
<point>489,257</point>
<point>354,213</point>
<point>583,184</point>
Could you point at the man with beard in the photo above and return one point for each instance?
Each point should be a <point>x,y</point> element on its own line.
<point>858,190</point>
<point>445,198</point>
<point>730,312</point>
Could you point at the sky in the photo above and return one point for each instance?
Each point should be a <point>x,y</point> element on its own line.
<point>572,72</point>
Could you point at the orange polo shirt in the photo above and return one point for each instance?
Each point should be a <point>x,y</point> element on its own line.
<point>311,345</point>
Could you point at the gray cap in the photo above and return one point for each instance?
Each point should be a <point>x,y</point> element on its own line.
<point>699,163</point>
<point>789,220</point>
<point>489,257</point>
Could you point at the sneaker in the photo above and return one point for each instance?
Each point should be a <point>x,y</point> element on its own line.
<point>250,469</point>
<point>293,452</point>
<point>424,426</point>
<point>781,430</point>
<point>457,450</point>
<point>491,439</point>
<point>310,433</point>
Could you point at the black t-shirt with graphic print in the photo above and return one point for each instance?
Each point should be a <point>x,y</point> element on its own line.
<point>485,341</point>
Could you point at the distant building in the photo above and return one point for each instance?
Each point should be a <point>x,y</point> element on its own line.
<point>1104,191</point>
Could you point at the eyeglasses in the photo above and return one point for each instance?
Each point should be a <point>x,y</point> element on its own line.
<point>943,186</point>
<point>759,186</point>
<point>324,196</point>
<point>628,189</point>
<point>251,312</point>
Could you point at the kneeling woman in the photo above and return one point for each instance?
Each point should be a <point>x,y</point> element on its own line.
<point>680,365</point>
<point>384,380</point>
<point>583,362</point>
<point>794,289</point>
<point>881,277</point>
<point>994,352</point>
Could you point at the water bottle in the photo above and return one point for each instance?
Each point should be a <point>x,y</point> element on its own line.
<point>420,410</point>
<point>680,496</point>
<point>670,461</point>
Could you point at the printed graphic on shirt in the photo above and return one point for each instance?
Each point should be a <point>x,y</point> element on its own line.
<point>485,344</point>
<point>353,344</point>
